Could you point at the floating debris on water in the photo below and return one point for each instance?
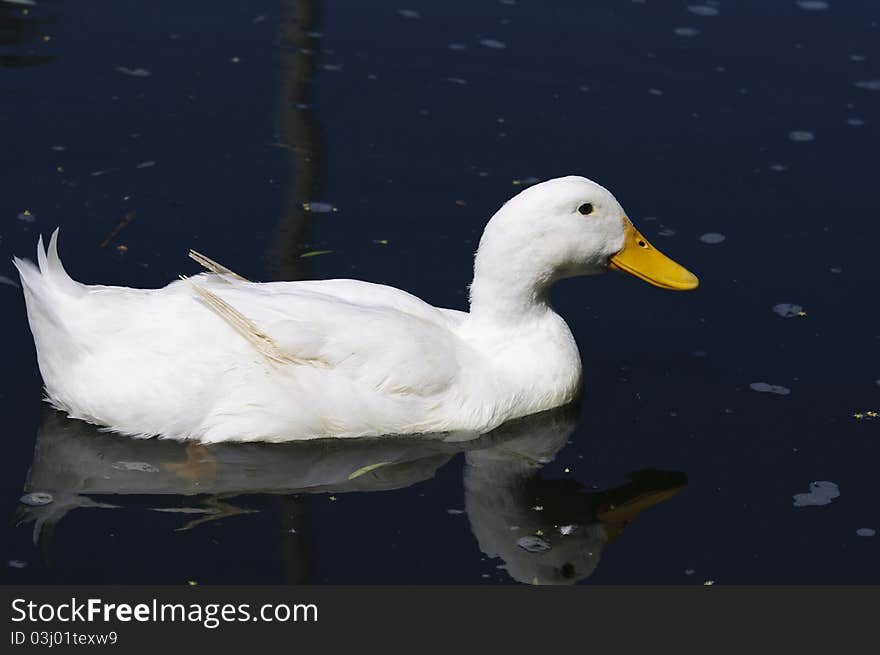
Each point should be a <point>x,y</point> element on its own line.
<point>855,122</point>
<point>191,583</point>
<point>703,10</point>
<point>821,493</point>
<point>538,508</point>
<point>457,46</point>
<point>381,242</point>
<point>869,415</point>
<point>133,72</point>
<point>686,31</point>
<point>26,216</point>
<point>712,238</point>
<point>778,167</point>
<point>409,13</point>
<point>666,231</point>
<point>455,511</point>
<point>8,281</point>
<point>869,85</point>
<point>533,544</point>
<point>801,136</point>
<point>366,469</point>
<point>146,164</point>
<point>866,532</point>
<point>121,225</point>
<point>58,148</point>
<point>566,530</point>
<point>493,43</point>
<point>689,571</point>
<point>812,5</point>
<point>525,181</point>
<point>315,253</point>
<point>456,80</point>
<point>788,310</point>
<point>17,564</point>
<point>655,92</point>
<point>763,387</point>
<point>36,499</point>
<point>708,583</point>
<point>319,207</point>
<point>141,467</point>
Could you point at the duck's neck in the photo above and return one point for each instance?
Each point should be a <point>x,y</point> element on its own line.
<point>508,287</point>
<point>511,324</point>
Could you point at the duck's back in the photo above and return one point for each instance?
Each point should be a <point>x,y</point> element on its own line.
<point>217,359</point>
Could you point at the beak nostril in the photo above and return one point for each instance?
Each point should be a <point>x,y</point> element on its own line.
<point>642,244</point>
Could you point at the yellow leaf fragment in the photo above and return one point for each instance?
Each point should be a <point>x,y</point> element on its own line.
<point>366,469</point>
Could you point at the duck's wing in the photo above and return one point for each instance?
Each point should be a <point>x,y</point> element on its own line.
<point>369,338</point>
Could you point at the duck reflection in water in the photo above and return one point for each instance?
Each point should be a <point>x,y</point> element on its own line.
<point>545,531</point>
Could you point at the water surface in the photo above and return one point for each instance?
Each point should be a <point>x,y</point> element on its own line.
<point>382,136</point>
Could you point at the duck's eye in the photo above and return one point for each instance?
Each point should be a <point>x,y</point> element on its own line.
<point>586,209</point>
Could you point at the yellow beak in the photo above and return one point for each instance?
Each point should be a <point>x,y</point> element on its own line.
<point>640,258</point>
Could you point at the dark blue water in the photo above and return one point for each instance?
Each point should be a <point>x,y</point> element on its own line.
<point>209,125</point>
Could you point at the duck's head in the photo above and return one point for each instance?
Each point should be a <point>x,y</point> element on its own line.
<point>572,226</point>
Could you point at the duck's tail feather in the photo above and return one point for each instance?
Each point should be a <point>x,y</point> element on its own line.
<point>49,272</point>
<point>53,269</point>
<point>48,291</point>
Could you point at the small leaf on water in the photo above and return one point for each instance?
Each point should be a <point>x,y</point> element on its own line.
<point>315,253</point>
<point>36,499</point>
<point>366,469</point>
<point>319,207</point>
<point>533,544</point>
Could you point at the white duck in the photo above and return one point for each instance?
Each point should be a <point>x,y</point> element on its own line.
<point>217,358</point>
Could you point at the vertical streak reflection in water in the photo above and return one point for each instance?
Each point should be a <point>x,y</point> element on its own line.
<point>300,133</point>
